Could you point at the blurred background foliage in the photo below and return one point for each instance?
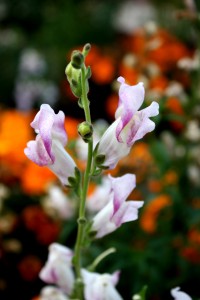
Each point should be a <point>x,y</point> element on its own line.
<point>156,42</point>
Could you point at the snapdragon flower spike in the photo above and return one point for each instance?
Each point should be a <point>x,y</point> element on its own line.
<point>48,147</point>
<point>130,124</point>
<point>179,295</point>
<point>58,268</point>
<point>118,210</point>
<point>100,286</point>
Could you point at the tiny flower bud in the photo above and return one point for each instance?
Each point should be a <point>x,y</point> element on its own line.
<point>77,59</point>
<point>86,49</point>
<point>85,130</point>
<point>99,159</point>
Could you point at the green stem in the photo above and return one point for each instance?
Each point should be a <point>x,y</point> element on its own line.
<point>95,263</point>
<point>82,219</point>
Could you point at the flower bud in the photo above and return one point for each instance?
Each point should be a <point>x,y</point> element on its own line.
<point>86,49</point>
<point>74,79</point>
<point>85,130</point>
<point>77,59</point>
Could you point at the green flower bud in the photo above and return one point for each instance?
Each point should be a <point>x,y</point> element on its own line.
<point>85,130</point>
<point>99,159</point>
<point>77,59</point>
<point>74,78</point>
<point>86,49</point>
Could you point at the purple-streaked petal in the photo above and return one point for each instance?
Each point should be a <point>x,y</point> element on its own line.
<point>130,100</point>
<point>45,124</point>
<point>36,152</point>
<point>127,212</point>
<point>35,122</point>
<point>141,124</point>
<point>58,268</point>
<point>122,187</point>
<point>111,148</point>
<point>130,96</point>
<point>138,130</point>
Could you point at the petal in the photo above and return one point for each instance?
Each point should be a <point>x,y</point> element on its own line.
<point>127,212</point>
<point>58,269</point>
<point>102,224</point>
<point>58,130</point>
<point>35,122</point>
<point>100,286</point>
<point>52,293</point>
<point>152,110</point>
<point>122,187</point>
<point>36,152</point>
<point>100,197</point>
<point>115,277</point>
<point>141,124</point>
<point>130,100</point>
<point>111,148</point>
<point>178,295</point>
<point>42,124</point>
<point>64,165</point>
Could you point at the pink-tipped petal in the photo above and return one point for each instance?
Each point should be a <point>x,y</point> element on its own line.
<point>122,187</point>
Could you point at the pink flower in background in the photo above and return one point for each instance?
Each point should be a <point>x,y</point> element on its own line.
<point>118,210</point>
<point>58,268</point>
<point>130,125</point>
<point>179,295</point>
<point>48,147</point>
<point>100,286</point>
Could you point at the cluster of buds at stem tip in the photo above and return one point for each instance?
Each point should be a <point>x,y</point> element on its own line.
<point>73,70</point>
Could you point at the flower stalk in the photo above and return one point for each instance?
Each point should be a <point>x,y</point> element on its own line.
<point>82,221</point>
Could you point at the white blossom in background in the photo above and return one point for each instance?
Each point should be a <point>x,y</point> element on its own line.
<point>32,62</point>
<point>31,85</point>
<point>190,63</point>
<point>179,295</point>
<point>194,174</point>
<point>192,132</point>
<point>133,14</point>
<point>57,203</point>
<point>4,193</point>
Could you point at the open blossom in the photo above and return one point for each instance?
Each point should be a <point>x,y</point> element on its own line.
<point>130,124</point>
<point>58,268</point>
<point>52,293</point>
<point>179,295</point>
<point>100,197</point>
<point>100,286</point>
<point>48,147</point>
<point>117,210</point>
